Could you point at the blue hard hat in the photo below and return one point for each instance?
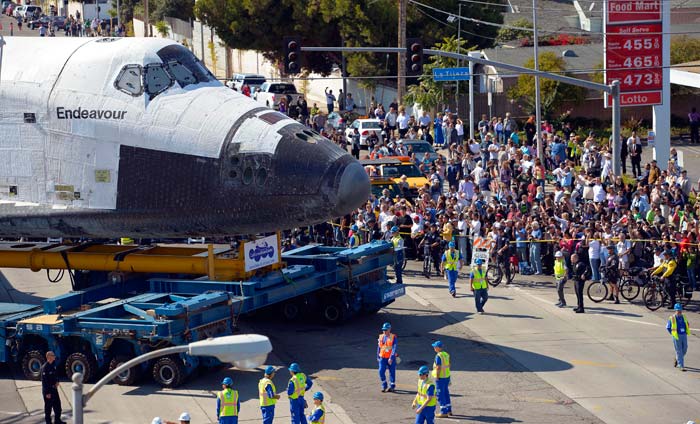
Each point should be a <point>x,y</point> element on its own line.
<point>318,395</point>
<point>668,252</point>
<point>437,344</point>
<point>451,244</point>
<point>227,381</point>
<point>678,307</point>
<point>423,370</point>
<point>386,326</point>
<point>294,367</point>
<point>394,229</point>
<point>269,370</point>
<point>478,261</point>
<point>354,227</point>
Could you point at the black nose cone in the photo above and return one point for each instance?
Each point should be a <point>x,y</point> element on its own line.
<point>352,185</point>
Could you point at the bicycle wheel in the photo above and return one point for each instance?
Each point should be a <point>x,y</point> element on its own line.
<point>654,298</point>
<point>494,275</point>
<point>511,276</point>
<point>597,291</point>
<point>426,266</point>
<point>403,264</point>
<point>629,290</point>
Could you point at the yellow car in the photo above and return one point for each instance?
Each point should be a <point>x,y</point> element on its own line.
<point>395,168</point>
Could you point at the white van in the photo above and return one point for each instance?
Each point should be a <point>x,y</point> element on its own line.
<point>252,80</point>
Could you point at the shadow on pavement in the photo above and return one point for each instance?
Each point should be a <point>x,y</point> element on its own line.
<point>608,311</point>
<point>486,419</point>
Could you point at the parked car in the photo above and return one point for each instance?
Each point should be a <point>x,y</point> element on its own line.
<point>420,148</point>
<point>253,81</point>
<point>17,11</point>
<point>271,93</point>
<point>4,5</point>
<point>44,21</point>
<point>31,12</point>
<point>365,127</point>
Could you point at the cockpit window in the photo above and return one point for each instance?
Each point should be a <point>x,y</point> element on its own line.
<point>180,54</point>
<point>182,75</point>
<point>129,80</point>
<point>157,79</point>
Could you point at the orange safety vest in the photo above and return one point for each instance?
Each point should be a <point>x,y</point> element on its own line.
<point>385,347</point>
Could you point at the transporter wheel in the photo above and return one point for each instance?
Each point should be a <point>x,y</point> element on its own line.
<point>84,363</point>
<point>291,310</point>
<point>32,361</point>
<point>128,377</point>
<point>168,372</point>
<point>334,310</point>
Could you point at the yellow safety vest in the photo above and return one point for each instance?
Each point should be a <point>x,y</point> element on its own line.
<point>422,396</point>
<point>297,387</point>
<point>228,403</point>
<point>321,420</point>
<point>559,269</point>
<point>444,367</point>
<point>356,238</point>
<point>478,282</point>
<point>451,260</point>
<point>264,400</point>
<point>302,382</point>
<point>396,240</point>
<point>674,326</point>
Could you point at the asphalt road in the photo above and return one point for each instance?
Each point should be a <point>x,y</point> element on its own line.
<point>525,361</point>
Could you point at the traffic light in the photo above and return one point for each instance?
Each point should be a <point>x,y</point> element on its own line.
<point>292,55</point>
<point>414,57</point>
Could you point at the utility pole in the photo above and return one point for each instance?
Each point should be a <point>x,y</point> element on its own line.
<point>401,80</point>
<point>538,113</point>
<point>146,24</point>
<point>459,44</point>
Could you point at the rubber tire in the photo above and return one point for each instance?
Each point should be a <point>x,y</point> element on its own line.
<point>168,372</point>
<point>81,362</point>
<point>32,361</point>
<point>290,310</point>
<point>333,310</point>
<point>494,275</point>
<point>654,298</point>
<point>629,290</point>
<point>594,286</point>
<point>128,378</point>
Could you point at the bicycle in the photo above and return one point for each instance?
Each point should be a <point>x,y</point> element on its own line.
<point>427,260</point>
<point>496,271</point>
<point>598,291</point>
<point>631,283</point>
<point>656,295</point>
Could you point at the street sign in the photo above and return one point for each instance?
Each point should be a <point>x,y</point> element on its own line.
<point>633,11</point>
<point>450,74</point>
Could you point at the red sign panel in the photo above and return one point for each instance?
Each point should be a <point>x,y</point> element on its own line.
<point>636,79</point>
<point>631,11</point>
<point>640,98</point>
<point>633,46</point>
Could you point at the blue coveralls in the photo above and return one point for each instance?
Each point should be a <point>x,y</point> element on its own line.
<point>296,406</point>
<point>443,390</point>
<point>427,415</point>
<point>316,415</point>
<point>384,364</point>
<point>227,420</point>
<point>680,344</point>
<point>451,274</point>
<point>268,412</point>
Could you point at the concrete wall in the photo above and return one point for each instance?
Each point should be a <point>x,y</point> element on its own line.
<point>89,11</point>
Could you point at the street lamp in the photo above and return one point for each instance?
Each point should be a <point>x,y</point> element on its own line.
<point>243,350</point>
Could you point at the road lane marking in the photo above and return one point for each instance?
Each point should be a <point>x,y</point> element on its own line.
<point>631,320</point>
<point>416,297</point>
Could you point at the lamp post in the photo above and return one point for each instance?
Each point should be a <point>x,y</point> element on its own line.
<point>243,350</point>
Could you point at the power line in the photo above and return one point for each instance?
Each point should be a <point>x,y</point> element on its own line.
<point>528,7</point>
<point>453,27</point>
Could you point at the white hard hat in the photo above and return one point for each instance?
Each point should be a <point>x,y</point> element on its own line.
<point>185,417</point>
<point>157,420</point>
<point>558,255</point>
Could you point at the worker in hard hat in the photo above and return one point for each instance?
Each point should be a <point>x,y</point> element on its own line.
<point>425,400</point>
<point>441,374</point>
<point>185,418</point>
<point>560,273</point>
<point>479,286</point>
<point>318,416</point>
<point>227,403</point>
<point>386,357</point>
<point>397,242</point>
<point>450,265</point>
<point>679,328</point>
<point>268,395</point>
<point>354,239</point>
<point>299,383</point>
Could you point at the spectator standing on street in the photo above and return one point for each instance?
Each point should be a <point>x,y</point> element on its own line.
<point>330,100</point>
<point>694,119</point>
<point>634,147</point>
<point>679,328</point>
<point>341,101</point>
<point>349,103</point>
<point>580,275</point>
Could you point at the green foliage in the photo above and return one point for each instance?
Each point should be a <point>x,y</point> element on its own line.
<point>684,49</point>
<point>163,28</point>
<point>508,34</point>
<point>261,24</point>
<point>552,93</point>
<point>427,92</point>
<point>598,75</point>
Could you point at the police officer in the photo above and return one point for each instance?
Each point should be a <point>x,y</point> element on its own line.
<point>227,403</point>
<point>666,270</point>
<point>397,241</point>
<point>386,357</point>
<point>450,264</point>
<point>299,383</point>
<point>49,389</point>
<point>318,416</point>
<point>268,395</point>
<point>679,328</point>
<point>441,374</point>
<point>479,286</point>
<point>425,401</point>
<point>580,275</point>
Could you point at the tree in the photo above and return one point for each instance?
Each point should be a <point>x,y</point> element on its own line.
<point>427,92</point>
<point>509,34</point>
<point>684,49</point>
<point>552,93</point>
